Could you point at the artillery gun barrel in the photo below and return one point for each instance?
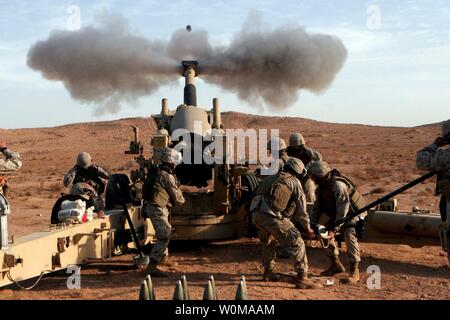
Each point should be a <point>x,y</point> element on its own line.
<point>385,198</point>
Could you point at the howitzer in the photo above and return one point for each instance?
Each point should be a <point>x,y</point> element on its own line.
<point>383,199</point>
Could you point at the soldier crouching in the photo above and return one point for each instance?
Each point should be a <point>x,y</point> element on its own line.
<point>337,197</point>
<point>160,194</point>
<point>278,200</point>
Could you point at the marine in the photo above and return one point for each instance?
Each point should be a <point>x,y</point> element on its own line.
<point>278,201</point>
<point>337,197</point>
<point>436,157</point>
<point>10,163</point>
<point>86,172</point>
<point>297,149</point>
<point>160,193</point>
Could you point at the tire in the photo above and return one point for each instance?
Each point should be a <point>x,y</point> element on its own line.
<point>112,198</point>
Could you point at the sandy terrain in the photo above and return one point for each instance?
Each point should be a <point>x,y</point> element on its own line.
<point>379,159</point>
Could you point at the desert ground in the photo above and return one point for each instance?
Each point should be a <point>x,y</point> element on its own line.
<point>378,159</point>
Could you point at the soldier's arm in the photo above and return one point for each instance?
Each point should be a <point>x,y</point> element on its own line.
<point>176,196</point>
<point>425,157</point>
<point>342,199</point>
<point>315,155</point>
<point>300,215</point>
<point>70,176</point>
<point>12,162</point>
<point>102,173</point>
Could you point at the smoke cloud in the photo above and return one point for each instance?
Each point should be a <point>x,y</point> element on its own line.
<point>106,64</point>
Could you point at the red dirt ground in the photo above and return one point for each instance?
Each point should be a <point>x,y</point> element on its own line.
<point>375,157</point>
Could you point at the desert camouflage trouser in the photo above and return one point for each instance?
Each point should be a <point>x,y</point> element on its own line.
<point>351,242</point>
<point>160,221</point>
<point>272,230</point>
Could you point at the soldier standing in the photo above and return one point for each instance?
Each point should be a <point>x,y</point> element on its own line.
<point>278,200</point>
<point>161,192</point>
<point>86,172</point>
<point>436,157</point>
<point>12,162</point>
<point>297,149</point>
<point>337,197</point>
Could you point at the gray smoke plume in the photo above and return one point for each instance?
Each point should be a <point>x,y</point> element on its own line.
<point>108,65</point>
<point>105,64</point>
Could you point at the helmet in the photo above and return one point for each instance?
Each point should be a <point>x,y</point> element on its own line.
<point>277,143</point>
<point>84,160</point>
<point>296,165</point>
<point>445,128</point>
<point>296,140</point>
<point>318,168</point>
<point>84,190</point>
<point>169,156</point>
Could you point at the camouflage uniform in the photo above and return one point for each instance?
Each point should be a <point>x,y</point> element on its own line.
<point>165,194</point>
<point>273,226</point>
<point>297,149</point>
<point>435,158</point>
<point>337,197</point>
<point>12,162</point>
<point>340,199</point>
<point>278,200</point>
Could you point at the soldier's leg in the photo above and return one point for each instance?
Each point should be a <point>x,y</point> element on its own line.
<point>290,238</point>
<point>268,249</point>
<point>332,252</point>
<point>353,253</point>
<point>351,241</point>
<point>160,221</point>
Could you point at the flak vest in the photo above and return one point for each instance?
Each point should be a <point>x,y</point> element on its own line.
<point>327,199</point>
<point>154,191</point>
<point>277,193</point>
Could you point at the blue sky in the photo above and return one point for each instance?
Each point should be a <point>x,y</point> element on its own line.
<point>397,71</point>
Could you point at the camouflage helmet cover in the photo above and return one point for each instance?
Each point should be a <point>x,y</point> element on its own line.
<point>277,143</point>
<point>318,168</point>
<point>84,190</point>
<point>296,140</point>
<point>171,156</point>
<point>296,165</point>
<point>445,128</point>
<point>84,160</point>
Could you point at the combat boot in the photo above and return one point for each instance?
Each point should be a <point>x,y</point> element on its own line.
<point>154,271</point>
<point>335,267</point>
<point>165,261</point>
<point>270,276</point>
<point>353,276</point>
<point>303,282</point>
